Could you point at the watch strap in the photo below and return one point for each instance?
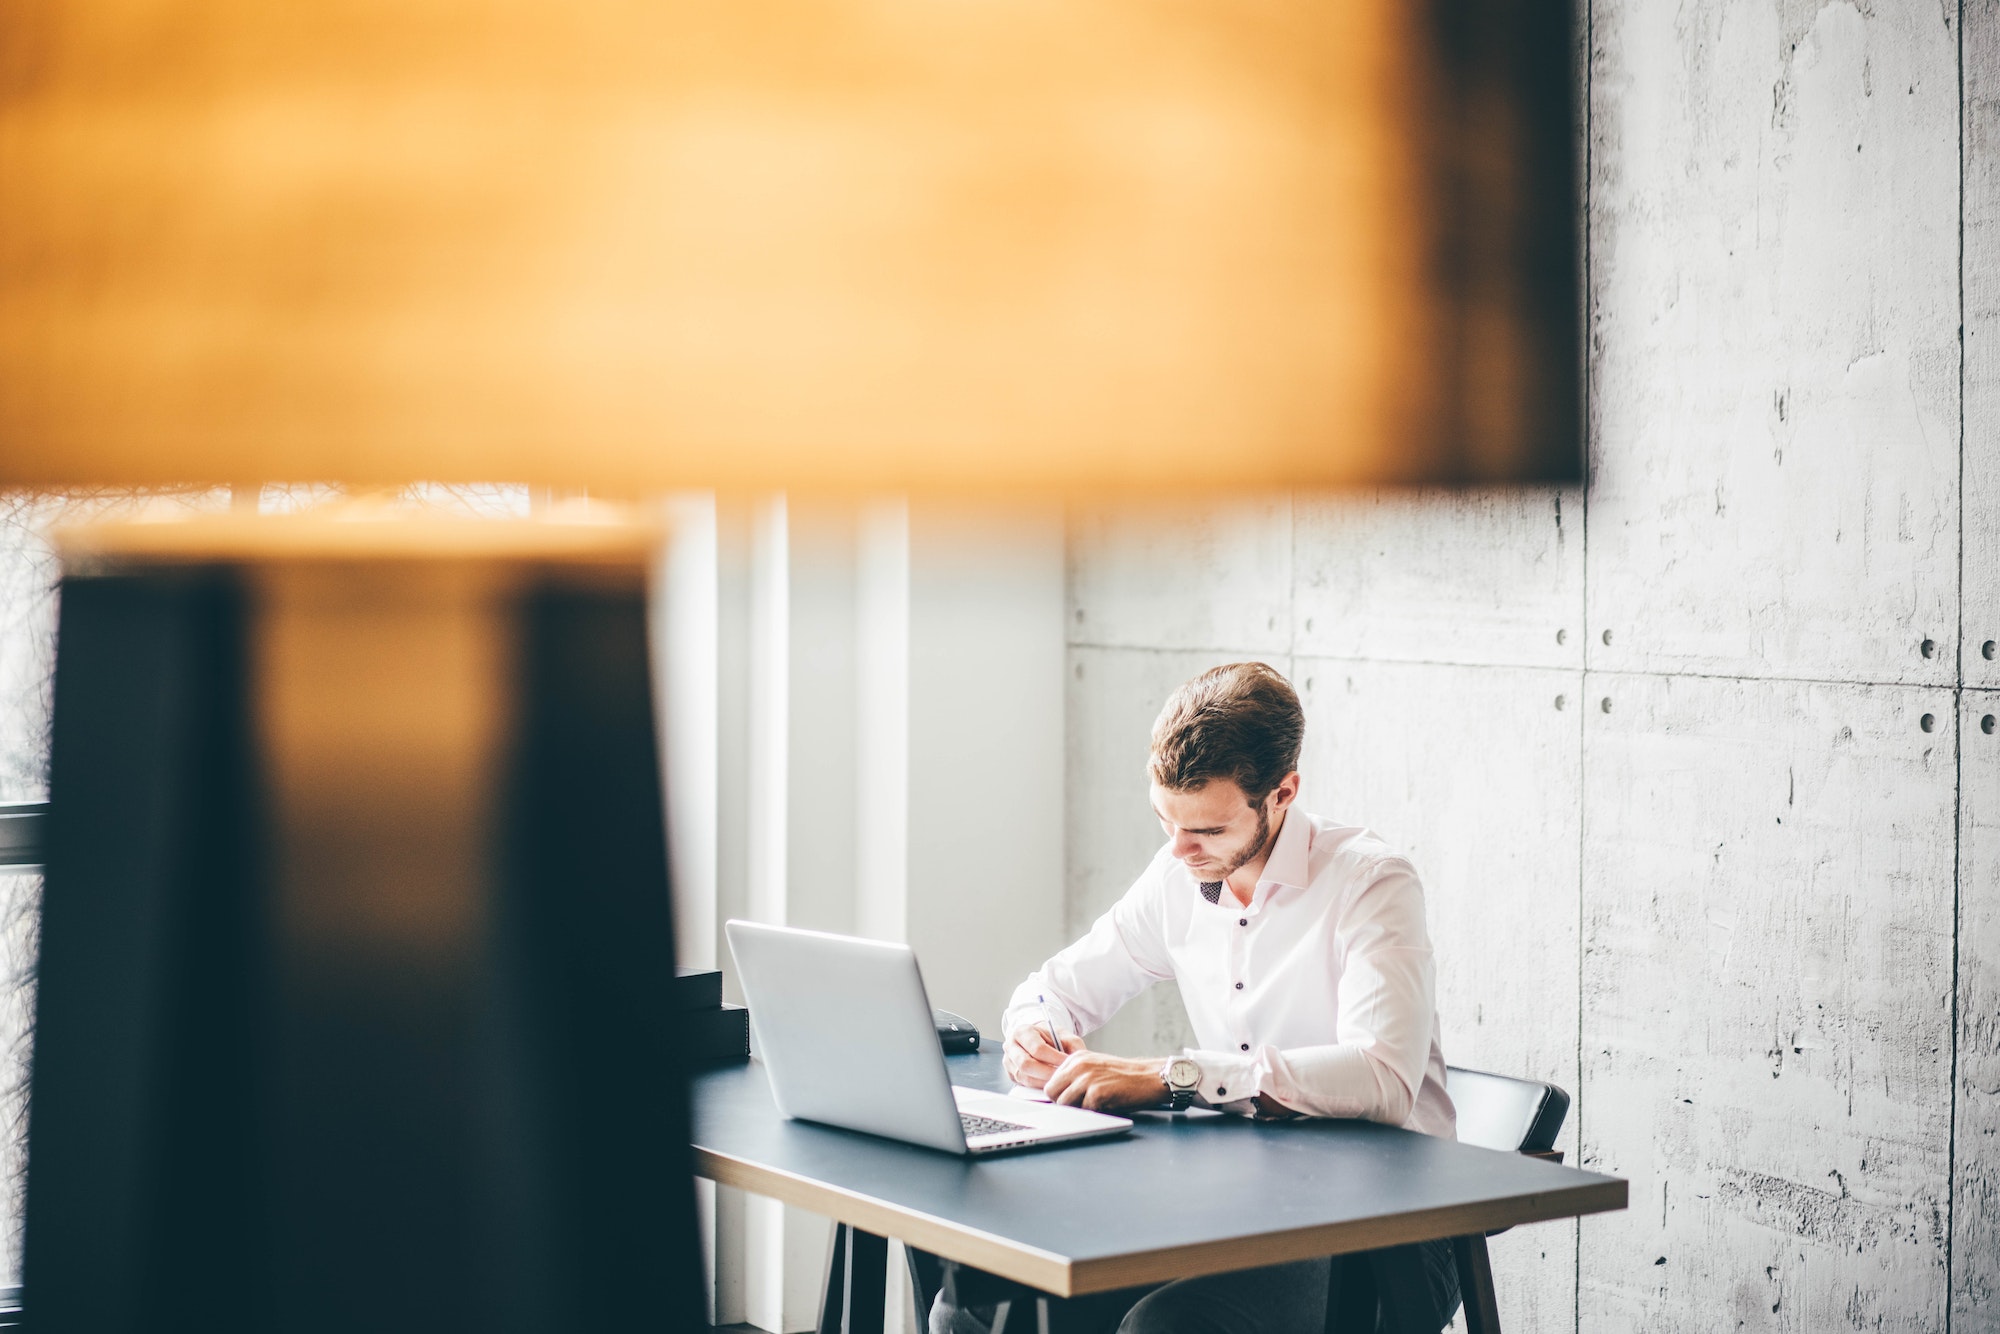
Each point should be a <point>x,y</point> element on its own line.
<point>1179,1097</point>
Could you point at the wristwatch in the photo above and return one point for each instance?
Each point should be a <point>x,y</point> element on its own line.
<point>1182,1077</point>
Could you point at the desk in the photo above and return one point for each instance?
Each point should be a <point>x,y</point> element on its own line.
<point>1180,1195</point>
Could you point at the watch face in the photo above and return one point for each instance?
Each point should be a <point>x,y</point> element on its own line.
<point>1183,1073</point>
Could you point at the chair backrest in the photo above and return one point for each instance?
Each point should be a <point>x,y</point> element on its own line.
<point>1500,1112</point>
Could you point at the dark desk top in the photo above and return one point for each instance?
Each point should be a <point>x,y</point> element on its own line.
<point>1196,1193</point>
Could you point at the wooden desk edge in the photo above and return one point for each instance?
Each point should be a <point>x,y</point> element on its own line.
<point>1066,1278</point>
<point>1343,1238</point>
<point>955,1241</point>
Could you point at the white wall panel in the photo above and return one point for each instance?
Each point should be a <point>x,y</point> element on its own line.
<point>1193,575</point>
<point>1979,651</point>
<point>1473,773</point>
<point>1975,1214</point>
<point>1766,1002</point>
<point>882,718</point>
<point>822,660</point>
<point>685,628</point>
<point>1774,240</point>
<point>1441,576</point>
<point>1114,695</point>
<point>986,749</point>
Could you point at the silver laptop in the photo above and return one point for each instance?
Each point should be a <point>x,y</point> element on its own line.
<point>845,1030</point>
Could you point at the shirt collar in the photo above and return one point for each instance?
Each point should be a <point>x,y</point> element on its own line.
<point>1287,865</point>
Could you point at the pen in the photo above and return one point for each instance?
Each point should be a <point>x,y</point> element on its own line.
<point>1047,1022</point>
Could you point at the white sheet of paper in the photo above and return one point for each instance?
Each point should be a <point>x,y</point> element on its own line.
<point>1026,1094</point>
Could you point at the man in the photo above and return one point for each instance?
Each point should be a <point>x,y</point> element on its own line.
<point>1300,951</point>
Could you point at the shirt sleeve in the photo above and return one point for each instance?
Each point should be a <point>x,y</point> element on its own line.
<point>1122,954</point>
<point>1388,1008</point>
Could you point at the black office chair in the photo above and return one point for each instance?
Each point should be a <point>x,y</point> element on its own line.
<point>1494,1112</point>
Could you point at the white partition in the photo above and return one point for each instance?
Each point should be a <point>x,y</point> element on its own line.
<point>985,789</point>
<point>864,723</point>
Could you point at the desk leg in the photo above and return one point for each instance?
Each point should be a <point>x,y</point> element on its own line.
<point>857,1275</point>
<point>1475,1284</point>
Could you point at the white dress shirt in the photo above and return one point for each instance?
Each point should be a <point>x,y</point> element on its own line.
<point>1321,992</point>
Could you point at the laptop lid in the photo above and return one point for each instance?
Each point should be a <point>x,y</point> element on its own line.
<point>844,1029</point>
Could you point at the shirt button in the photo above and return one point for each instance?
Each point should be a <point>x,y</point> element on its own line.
<point>1219,1090</point>
<point>1239,986</point>
<point>1242,921</point>
<point>1246,1046</point>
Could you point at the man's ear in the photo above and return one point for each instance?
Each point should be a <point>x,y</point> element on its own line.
<point>1286,792</point>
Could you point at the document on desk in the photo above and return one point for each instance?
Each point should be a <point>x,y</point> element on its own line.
<point>1026,1094</point>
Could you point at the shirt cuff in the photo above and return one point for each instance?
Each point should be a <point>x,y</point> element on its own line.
<point>1228,1081</point>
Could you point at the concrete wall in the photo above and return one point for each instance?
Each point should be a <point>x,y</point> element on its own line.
<point>1693,759</point>
<point>1659,745</point>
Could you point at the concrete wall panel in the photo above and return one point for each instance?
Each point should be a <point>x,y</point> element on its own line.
<point>1437,576</point>
<point>1114,695</point>
<point>1766,1002</point>
<point>20,934</point>
<point>1187,575</point>
<point>1474,774</point>
<point>1975,1213</point>
<point>1979,651</point>
<point>1774,253</point>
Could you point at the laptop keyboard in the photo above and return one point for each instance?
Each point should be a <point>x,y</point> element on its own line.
<point>986,1125</point>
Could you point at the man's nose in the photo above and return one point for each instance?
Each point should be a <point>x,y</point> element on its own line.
<point>1185,845</point>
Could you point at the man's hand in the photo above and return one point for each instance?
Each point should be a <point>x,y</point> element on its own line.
<point>1030,1058</point>
<point>1270,1109</point>
<point>1107,1083</point>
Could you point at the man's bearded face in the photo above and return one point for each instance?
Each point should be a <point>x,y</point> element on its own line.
<point>1215,829</point>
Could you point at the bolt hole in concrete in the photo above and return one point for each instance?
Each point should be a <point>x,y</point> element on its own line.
<point>1605,704</point>
<point>1559,701</point>
<point>1986,724</point>
<point>1607,636</point>
<point>1563,635</point>
<point>1928,721</point>
<point>1986,650</point>
<point>1928,648</point>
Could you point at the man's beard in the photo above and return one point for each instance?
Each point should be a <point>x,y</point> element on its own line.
<point>1255,847</point>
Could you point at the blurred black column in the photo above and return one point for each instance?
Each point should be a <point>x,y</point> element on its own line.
<point>355,1002</point>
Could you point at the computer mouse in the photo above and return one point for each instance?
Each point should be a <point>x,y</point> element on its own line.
<point>955,1032</point>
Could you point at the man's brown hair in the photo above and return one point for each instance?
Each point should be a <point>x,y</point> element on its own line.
<point>1241,722</point>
